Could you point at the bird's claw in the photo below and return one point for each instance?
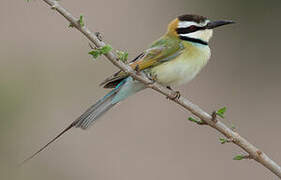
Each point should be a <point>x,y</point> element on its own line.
<point>152,77</point>
<point>176,95</point>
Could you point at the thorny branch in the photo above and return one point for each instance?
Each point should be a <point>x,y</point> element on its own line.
<point>206,118</point>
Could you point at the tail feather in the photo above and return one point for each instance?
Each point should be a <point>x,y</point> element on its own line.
<point>54,139</point>
<point>89,117</point>
<point>92,114</point>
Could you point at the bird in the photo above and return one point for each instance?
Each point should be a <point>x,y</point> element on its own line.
<point>172,60</point>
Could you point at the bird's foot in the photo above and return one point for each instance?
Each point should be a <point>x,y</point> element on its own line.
<point>176,94</point>
<point>152,77</point>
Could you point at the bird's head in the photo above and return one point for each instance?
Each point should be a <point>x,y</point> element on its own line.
<point>194,28</point>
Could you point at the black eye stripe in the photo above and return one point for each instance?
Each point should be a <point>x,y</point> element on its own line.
<point>189,29</point>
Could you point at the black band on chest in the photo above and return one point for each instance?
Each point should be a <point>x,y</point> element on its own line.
<point>199,41</point>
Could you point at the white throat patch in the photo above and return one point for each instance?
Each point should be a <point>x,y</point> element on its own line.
<point>204,35</point>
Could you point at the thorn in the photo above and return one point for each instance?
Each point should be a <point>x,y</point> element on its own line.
<point>54,7</point>
<point>99,36</point>
<point>259,153</point>
<point>169,87</point>
<point>214,117</point>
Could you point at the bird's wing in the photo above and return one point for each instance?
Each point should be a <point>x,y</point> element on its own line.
<point>161,51</point>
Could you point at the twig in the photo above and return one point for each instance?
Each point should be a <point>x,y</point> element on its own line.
<point>253,151</point>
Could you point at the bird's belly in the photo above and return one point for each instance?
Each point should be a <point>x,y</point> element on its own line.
<point>178,71</point>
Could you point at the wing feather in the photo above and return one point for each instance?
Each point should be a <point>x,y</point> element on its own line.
<point>165,49</point>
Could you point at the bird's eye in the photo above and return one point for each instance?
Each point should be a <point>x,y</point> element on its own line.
<point>192,28</point>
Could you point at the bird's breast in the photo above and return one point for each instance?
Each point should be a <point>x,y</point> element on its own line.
<point>183,68</point>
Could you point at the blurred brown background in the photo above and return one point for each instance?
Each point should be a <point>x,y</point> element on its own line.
<point>47,79</point>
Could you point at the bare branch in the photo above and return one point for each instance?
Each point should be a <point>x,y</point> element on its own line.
<point>208,119</point>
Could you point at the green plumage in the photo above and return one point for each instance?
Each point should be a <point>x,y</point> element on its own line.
<point>162,50</point>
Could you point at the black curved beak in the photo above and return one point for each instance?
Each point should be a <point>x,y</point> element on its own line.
<point>214,24</point>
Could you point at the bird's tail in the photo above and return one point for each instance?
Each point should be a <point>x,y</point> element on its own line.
<point>88,117</point>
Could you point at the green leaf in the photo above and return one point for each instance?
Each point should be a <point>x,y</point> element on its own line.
<point>221,112</point>
<point>70,25</point>
<point>200,122</point>
<point>222,140</point>
<point>95,53</point>
<point>238,157</point>
<point>81,21</point>
<point>105,49</point>
<point>192,119</point>
<point>100,51</point>
<point>123,56</point>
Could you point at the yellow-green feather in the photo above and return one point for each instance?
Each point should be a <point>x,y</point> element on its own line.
<point>162,50</point>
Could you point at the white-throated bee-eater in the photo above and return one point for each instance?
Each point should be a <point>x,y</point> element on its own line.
<point>174,59</point>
